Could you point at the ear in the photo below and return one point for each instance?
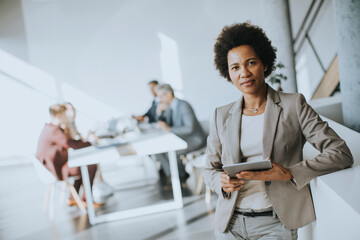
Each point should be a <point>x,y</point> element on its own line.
<point>265,68</point>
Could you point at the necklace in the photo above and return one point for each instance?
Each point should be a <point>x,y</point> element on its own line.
<point>255,110</point>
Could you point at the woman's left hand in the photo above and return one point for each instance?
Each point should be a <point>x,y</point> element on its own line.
<point>276,173</point>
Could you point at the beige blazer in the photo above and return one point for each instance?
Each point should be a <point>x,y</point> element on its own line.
<point>288,123</point>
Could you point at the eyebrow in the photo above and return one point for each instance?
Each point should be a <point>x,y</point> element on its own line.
<point>254,58</point>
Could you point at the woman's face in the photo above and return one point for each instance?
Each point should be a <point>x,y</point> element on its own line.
<point>246,70</point>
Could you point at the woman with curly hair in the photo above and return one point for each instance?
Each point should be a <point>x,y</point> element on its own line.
<point>264,124</point>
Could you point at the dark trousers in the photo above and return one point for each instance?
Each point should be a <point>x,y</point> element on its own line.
<point>164,160</point>
<point>165,164</point>
<point>75,171</point>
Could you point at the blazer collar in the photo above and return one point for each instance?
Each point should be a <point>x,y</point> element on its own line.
<point>233,130</point>
<point>271,117</point>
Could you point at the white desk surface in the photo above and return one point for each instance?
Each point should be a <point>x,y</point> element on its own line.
<point>143,144</point>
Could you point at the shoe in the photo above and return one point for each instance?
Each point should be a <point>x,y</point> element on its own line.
<point>101,191</point>
<point>72,202</point>
<point>96,205</point>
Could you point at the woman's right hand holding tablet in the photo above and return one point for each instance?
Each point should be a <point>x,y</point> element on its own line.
<point>231,184</point>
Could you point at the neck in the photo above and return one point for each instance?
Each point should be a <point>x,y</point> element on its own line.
<point>255,100</point>
<point>55,121</point>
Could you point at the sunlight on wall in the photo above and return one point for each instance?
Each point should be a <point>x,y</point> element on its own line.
<point>170,64</point>
<point>24,113</point>
<point>25,95</point>
<point>27,74</point>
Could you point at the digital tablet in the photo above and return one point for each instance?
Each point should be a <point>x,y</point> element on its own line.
<point>233,169</point>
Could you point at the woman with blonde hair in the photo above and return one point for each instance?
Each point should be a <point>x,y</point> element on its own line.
<point>54,141</point>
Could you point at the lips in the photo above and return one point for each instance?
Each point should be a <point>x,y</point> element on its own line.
<point>248,83</point>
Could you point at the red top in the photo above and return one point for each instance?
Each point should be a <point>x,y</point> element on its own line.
<point>52,149</point>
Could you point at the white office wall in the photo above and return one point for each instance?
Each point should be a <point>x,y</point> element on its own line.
<point>111,49</point>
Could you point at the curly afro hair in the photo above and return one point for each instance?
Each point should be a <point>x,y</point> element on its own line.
<point>243,34</point>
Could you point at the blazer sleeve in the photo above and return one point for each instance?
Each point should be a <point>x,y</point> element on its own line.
<point>213,163</point>
<point>334,153</point>
<point>188,119</point>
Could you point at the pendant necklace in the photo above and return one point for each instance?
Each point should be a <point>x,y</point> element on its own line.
<point>255,110</point>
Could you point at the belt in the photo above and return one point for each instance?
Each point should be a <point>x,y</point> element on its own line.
<point>256,214</point>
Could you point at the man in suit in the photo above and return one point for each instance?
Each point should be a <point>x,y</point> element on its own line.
<point>178,117</point>
<point>151,113</point>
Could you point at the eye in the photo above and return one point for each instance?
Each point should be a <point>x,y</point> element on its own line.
<point>234,68</point>
<point>252,63</point>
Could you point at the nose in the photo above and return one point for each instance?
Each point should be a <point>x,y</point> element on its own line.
<point>244,72</point>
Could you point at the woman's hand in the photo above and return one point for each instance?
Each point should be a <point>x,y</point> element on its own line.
<point>230,184</point>
<point>276,173</point>
<point>92,138</point>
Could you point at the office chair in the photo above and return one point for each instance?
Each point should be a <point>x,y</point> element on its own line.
<point>195,162</point>
<point>48,178</point>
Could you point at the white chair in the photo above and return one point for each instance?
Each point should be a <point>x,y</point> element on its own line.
<point>195,162</point>
<point>48,178</point>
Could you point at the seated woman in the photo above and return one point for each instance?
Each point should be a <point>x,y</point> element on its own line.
<point>54,141</point>
<point>101,190</point>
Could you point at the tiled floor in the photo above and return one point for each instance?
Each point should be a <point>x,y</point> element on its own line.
<point>22,196</point>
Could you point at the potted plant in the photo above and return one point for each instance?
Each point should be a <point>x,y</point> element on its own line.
<point>276,78</point>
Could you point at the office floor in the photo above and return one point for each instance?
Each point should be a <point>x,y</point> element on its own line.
<point>22,196</point>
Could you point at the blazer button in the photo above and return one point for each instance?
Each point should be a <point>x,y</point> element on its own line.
<point>267,183</point>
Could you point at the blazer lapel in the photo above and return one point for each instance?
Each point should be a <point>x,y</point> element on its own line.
<point>233,127</point>
<point>271,119</point>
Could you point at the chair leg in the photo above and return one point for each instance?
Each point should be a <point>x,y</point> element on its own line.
<point>76,197</point>
<point>143,164</point>
<point>63,193</point>
<point>98,174</point>
<point>52,202</point>
<point>47,196</point>
<point>200,183</point>
<point>208,196</point>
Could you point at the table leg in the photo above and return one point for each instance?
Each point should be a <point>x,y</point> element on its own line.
<point>175,179</point>
<point>88,194</point>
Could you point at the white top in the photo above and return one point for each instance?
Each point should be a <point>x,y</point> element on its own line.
<point>253,194</point>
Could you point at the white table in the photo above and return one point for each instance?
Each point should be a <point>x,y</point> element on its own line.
<point>144,144</point>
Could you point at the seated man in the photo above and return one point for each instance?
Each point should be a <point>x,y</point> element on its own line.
<point>179,118</point>
<point>151,113</point>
